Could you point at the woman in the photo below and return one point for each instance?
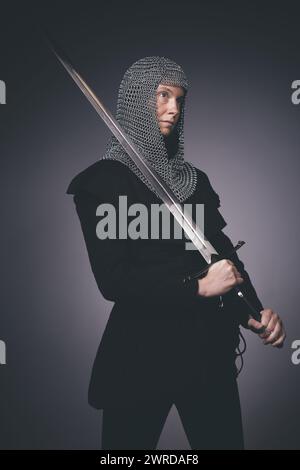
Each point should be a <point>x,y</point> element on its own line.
<point>166,342</point>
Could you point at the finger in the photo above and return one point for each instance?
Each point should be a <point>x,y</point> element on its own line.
<point>266,316</point>
<point>226,263</point>
<point>229,262</point>
<point>269,334</point>
<point>254,323</point>
<point>274,335</point>
<point>279,342</point>
<point>281,337</point>
<point>270,327</point>
<point>255,326</point>
<point>274,321</point>
<point>236,272</point>
<point>237,276</point>
<point>266,331</point>
<point>265,319</point>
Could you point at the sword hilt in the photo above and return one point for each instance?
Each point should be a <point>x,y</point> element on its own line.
<point>255,313</point>
<point>214,259</point>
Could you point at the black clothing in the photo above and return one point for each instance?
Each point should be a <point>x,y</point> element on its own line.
<point>171,143</point>
<point>210,414</point>
<point>161,337</point>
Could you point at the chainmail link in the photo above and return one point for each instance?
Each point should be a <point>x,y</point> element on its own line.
<point>136,113</point>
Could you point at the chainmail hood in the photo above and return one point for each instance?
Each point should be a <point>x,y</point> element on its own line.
<point>136,113</point>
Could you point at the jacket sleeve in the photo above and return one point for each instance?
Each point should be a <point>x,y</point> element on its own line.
<point>112,262</point>
<point>224,245</point>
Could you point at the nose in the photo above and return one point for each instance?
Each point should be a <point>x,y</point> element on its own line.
<point>173,107</point>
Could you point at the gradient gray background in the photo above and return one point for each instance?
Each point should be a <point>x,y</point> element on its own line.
<point>241,128</point>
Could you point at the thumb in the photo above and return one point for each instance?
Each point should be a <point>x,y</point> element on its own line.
<point>256,326</point>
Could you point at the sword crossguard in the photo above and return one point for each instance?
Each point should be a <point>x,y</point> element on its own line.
<point>214,259</point>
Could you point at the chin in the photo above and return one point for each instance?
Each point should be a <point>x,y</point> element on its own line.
<point>165,133</point>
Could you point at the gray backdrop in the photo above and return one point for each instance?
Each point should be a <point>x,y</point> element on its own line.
<point>241,128</point>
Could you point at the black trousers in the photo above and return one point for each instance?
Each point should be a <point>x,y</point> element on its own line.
<point>210,415</point>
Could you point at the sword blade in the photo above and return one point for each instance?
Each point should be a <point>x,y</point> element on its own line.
<point>194,233</point>
<point>189,226</point>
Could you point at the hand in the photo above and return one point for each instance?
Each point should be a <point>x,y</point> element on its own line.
<point>221,277</point>
<point>274,333</point>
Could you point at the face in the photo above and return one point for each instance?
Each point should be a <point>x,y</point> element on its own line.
<point>169,100</point>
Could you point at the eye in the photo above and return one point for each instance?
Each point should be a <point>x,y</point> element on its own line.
<point>164,94</point>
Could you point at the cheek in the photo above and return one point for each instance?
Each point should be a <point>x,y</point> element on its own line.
<point>160,110</point>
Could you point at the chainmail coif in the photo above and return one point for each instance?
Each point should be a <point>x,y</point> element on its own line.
<point>136,113</point>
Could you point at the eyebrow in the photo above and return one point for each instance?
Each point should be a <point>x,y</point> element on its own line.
<point>169,89</point>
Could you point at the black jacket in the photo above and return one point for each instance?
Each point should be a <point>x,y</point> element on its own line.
<point>160,333</point>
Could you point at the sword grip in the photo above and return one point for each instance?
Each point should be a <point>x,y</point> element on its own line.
<point>214,259</point>
<point>255,313</point>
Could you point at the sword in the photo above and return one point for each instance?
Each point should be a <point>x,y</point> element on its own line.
<point>191,229</point>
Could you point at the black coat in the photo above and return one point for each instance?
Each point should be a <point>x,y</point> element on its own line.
<point>160,334</point>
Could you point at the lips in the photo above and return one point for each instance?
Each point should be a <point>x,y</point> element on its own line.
<point>168,122</point>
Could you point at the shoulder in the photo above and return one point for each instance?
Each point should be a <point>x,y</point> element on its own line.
<point>202,177</point>
<point>205,188</point>
<point>207,195</point>
<point>98,178</point>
